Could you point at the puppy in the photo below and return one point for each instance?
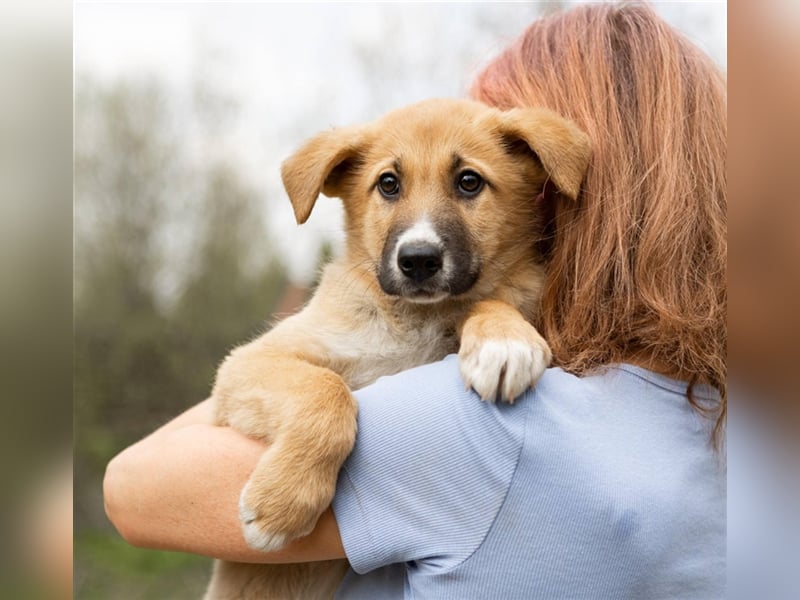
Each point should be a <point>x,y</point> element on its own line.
<point>440,257</point>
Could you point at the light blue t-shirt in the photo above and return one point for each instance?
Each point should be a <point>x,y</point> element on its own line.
<point>596,487</point>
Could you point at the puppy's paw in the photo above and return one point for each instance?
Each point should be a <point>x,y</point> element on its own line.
<point>258,534</point>
<point>275,513</point>
<point>503,368</point>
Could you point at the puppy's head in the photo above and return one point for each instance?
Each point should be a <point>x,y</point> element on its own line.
<point>439,196</point>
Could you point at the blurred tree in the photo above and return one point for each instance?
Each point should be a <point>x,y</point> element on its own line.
<point>226,299</point>
<point>172,269</point>
<point>122,164</point>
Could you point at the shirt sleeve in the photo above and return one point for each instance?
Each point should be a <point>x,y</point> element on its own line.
<point>429,471</point>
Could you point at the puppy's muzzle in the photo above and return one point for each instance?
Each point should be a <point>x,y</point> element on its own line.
<point>428,261</point>
<point>419,261</point>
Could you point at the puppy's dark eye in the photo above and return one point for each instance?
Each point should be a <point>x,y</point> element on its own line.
<point>469,183</point>
<point>389,186</point>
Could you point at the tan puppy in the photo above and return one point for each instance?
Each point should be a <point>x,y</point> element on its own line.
<point>440,257</point>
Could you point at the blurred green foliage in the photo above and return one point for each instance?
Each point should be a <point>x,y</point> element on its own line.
<point>115,570</point>
<point>173,269</point>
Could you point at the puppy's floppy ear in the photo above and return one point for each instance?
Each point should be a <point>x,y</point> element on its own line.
<point>319,166</point>
<point>563,149</point>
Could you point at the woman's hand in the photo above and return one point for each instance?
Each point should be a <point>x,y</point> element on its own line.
<point>178,489</point>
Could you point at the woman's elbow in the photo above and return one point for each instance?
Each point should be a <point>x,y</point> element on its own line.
<point>118,498</point>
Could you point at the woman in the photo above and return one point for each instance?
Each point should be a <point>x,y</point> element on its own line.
<point>606,481</point>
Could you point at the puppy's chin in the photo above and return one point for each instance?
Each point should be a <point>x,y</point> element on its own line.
<point>411,293</point>
<point>430,292</point>
<point>422,297</point>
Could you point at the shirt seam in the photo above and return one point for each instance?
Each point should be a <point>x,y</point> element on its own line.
<point>373,557</point>
<point>505,495</point>
<point>671,386</point>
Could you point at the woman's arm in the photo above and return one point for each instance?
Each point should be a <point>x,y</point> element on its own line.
<point>178,489</point>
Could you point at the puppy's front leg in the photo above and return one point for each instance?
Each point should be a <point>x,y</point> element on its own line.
<point>501,354</point>
<point>309,416</point>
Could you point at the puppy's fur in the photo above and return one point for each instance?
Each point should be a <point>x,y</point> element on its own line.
<point>440,257</point>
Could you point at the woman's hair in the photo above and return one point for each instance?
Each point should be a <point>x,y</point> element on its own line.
<point>636,268</point>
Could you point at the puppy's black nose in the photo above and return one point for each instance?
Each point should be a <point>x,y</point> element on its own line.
<point>419,261</point>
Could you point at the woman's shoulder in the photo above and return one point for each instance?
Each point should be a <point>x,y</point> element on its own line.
<point>620,408</point>
<point>434,397</point>
<point>435,393</point>
<point>429,408</point>
<point>614,413</point>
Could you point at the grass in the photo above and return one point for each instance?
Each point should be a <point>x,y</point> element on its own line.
<point>107,568</point>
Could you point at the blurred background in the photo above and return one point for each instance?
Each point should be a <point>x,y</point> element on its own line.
<point>185,242</point>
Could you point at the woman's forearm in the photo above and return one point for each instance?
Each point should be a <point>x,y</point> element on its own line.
<point>178,489</point>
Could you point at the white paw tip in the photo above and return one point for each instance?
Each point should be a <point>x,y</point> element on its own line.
<point>503,369</point>
<point>263,540</point>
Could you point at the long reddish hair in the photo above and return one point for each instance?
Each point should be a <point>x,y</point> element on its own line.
<point>637,266</point>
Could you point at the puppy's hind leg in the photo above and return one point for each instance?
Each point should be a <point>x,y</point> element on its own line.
<point>304,581</point>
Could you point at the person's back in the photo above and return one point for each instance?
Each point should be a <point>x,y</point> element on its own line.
<point>595,487</point>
